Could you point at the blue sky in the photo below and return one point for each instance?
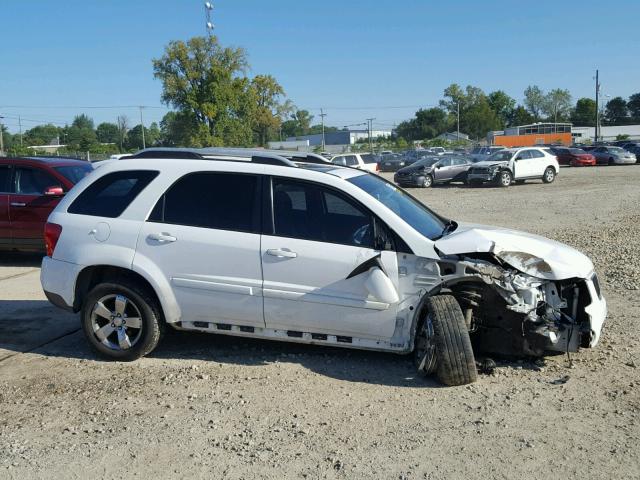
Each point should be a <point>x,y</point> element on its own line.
<point>355,58</point>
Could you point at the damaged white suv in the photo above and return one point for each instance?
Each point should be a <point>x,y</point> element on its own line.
<point>288,247</point>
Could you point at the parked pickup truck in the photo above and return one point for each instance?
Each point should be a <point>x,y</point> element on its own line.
<point>364,161</point>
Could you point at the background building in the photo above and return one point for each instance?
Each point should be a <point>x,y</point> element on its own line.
<point>607,133</point>
<point>534,134</point>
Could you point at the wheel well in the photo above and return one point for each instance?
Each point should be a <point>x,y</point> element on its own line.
<point>92,276</point>
<point>553,168</point>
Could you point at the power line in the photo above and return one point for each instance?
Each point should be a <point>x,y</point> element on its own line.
<point>84,106</point>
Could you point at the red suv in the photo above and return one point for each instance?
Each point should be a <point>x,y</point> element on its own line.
<point>30,188</point>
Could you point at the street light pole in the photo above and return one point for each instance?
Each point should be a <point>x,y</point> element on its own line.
<point>458,123</point>
<point>597,109</point>
<point>322,115</point>
<point>370,128</point>
<point>142,126</point>
<point>1,137</point>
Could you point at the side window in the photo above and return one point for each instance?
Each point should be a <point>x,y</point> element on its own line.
<point>312,212</point>
<point>222,201</point>
<point>352,160</point>
<point>536,154</point>
<point>524,155</point>
<point>460,161</point>
<point>445,162</point>
<point>32,181</point>
<point>112,193</point>
<point>339,161</point>
<point>4,178</point>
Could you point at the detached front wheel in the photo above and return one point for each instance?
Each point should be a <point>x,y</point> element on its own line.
<point>443,345</point>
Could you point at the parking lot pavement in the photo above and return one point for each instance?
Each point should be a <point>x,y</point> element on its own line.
<point>27,319</point>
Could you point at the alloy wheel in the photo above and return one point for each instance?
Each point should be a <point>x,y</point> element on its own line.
<point>116,322</point>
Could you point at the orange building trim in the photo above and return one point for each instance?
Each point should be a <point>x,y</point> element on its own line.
<point>532,140</point>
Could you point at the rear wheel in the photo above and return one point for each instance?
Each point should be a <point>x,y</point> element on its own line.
<point>504,178</point>
<point>121,322</point>
<point>549,175</point>
<point>442,343</point>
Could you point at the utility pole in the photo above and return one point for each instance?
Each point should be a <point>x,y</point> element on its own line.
<point>208,7</point>
<point>370,128</point>
<point>20,127</point>
<point>142,126</point>
<point>322,115</point>
<point>1,137</point>
<point>597,109</point>
<point>458,123</point>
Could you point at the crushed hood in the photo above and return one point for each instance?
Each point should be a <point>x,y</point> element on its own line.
<point>488,163</point>
<point>531,254</point>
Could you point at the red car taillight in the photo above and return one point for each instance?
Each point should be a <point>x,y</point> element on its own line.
<point>52,233</point>
<point>377,167</point>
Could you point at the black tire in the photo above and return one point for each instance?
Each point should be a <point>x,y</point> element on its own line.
<point>427,182</point>
<point>150,314</point>
<point>549,175</point>
<point>454,360</point>
<point>504,178</point>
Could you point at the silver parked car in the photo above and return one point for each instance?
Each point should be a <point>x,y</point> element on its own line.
<point>607,155</point>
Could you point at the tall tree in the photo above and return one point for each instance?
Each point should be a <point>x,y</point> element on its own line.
<point>42,134</point>
<point>503,105</point>
<point>81,135</point>
<point>271,107</point>
<point>557,105</point>
<point>123,128</point>
<point>534,100</point>
<point>82,121</point>
<point>108,133</point>
<point>634,106</point>
<point>298,124</point>
<point>520,116</point>
<point>206,79</point>
<point>616,111</point>
<point>584,113</point>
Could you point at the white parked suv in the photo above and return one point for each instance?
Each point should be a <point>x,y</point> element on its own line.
<point>364,161</point>
<point>253,244</point>
<point>515,164</point>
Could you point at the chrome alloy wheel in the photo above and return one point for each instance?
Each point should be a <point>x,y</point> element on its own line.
<point>116,322</point>
<point>426,347</point>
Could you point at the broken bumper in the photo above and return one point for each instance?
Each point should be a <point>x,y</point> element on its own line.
<point>596,310</point>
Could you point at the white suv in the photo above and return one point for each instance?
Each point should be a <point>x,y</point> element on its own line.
<point>257,245</point>
<point>515,164</point>
<point>364,161</point>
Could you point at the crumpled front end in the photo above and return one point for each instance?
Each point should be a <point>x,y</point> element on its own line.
<point>541,297</point>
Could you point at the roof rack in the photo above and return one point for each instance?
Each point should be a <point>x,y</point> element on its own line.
<point>269,157</point>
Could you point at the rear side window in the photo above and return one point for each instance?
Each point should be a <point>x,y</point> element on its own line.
<point>536,154</point>
<point>368,158</point>
<point>111,194</point>
<point>223,201</point>
<point>4,178</point>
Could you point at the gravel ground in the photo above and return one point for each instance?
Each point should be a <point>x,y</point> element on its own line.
<point>216,407</point>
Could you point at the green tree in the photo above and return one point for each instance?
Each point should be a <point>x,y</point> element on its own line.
<point>534,101</point>
<point>81,135</point>
<point>520,116</point>
<point>41,134</point>
<point>271,107</point>
<point>427,124</point>
<point>82,121</point>
<point>503,105</point>
<point>584,113</point>
<point>557,105</point>
<point>134,137</point>
<point>616,111</point>
<point>634,106</point>
<point>476,115</point>
<point>108,133</point>
<point>298,124</point>
<point>206,79</point>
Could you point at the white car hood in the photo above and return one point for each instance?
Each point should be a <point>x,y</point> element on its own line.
<point>531,254</point>
<point>489,163</point>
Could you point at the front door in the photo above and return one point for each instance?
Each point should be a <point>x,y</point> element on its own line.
<point>443,171</point>
<point>318,264</point>
<point>29,207</point>
<point>524,165</point>
<point>5,227</point>
<point>204,236</point>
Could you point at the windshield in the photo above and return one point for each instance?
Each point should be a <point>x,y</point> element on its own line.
<point>501,156</point>
<point>418,216</point>
<point>75,173</point>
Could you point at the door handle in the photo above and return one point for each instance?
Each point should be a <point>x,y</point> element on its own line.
<point>162,237</point>
<point>281,253</point>
<point>18,204</point>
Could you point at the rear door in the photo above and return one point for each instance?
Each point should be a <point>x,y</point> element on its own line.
<point>316,263</point>
<point>204,235</point>
<point>539,162</point>
<point>5,227</point>
<point>29,207</point>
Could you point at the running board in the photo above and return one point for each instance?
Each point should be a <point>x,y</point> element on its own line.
<point>291,336</point>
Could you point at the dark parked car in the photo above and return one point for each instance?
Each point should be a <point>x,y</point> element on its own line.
<point>432,170</point>
<point>394,161</point>
<point>30,188</point>
<point>574,157</point>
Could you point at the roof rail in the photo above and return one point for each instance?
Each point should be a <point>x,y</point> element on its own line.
<point>271,157</point>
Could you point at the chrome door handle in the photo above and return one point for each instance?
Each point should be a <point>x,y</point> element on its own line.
<point>18,204</point>
<point>281,253</point>
<point>162,237</point>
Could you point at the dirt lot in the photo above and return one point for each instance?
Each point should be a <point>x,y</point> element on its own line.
<point>216,407</point>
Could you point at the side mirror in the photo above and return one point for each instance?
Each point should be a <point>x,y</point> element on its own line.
<point>54,192</point>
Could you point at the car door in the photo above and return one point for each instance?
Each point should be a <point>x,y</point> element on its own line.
<point>443,170</point>
<point>204,235</point>
<point>538,163</point>
<point>600,153</point>
<point>29,207</point>
<point>522,164</point>
<point>319,265</point>
<point>5,227</point>
<point>459,167</point>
